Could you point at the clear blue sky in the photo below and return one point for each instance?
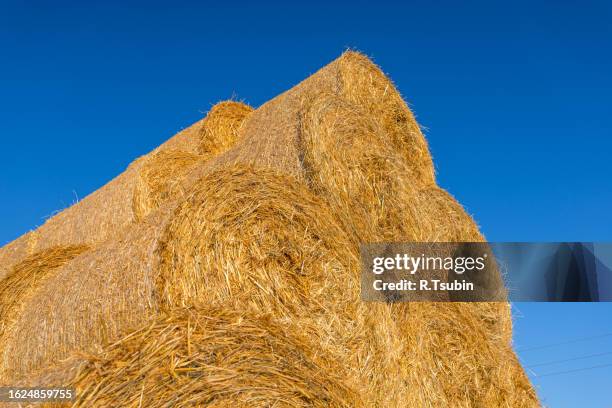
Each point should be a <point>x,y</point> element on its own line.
<point>515,98</point>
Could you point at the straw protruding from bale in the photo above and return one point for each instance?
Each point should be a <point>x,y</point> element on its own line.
<point>160,178</point>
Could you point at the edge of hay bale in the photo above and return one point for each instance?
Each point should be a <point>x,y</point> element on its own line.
<point>25,280</point>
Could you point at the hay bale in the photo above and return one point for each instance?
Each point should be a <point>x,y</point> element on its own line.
<point>311,289</point>
<point>271,227</point>
<point>160,178</point>
<point>15,251</point>
<point>222,126</point>
<point>24,280</point>
<point>87,302</point>
<point>349,161</point>
<point>273,244</point>
<point>213,357</point>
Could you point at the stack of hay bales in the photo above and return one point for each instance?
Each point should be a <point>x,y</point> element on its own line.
<point>225,271</point>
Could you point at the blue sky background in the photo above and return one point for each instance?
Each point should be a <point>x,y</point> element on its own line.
<point>515,98</point>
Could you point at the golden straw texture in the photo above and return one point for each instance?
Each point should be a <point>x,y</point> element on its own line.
<point>236,282</point>
<point>213,357</point>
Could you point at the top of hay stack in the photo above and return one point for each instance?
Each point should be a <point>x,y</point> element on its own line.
<point>352,77</point>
